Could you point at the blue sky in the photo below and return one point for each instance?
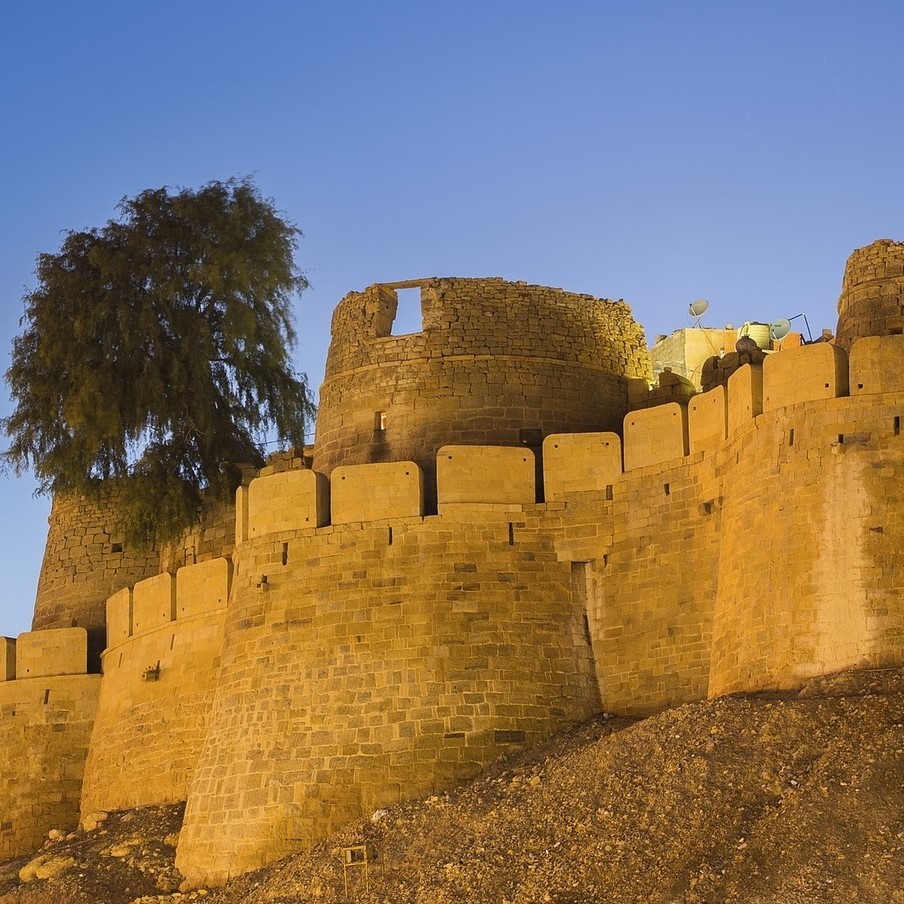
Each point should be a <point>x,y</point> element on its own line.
<point>653,151</point>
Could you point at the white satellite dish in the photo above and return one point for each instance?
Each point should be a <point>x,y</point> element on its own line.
<point>698,308</point>
<point>778,329</point>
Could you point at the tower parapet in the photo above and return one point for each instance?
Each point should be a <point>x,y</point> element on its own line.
<point>872,293</point>
<point>496,363</point>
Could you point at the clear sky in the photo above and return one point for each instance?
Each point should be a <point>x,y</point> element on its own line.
<point>653,151</point>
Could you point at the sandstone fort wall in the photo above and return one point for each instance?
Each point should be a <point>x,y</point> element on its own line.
<point>458,588</point>
<point>416,638</point>
<point>45,726</point>
<point>158,688</point>
<point>369,662</point>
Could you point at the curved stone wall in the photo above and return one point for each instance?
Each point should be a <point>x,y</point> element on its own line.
<point>367,663</point>
<point>160,672</point>
<point>85,562</point>
<point>148,732</point>
<point>494,359</point>
<point>872,293</point>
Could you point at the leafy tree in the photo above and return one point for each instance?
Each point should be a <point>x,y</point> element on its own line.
<point>155,350</point>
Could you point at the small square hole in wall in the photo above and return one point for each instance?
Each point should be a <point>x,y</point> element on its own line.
<point>116,547</point>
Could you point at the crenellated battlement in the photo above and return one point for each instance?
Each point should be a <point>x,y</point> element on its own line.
<point>503,532</point>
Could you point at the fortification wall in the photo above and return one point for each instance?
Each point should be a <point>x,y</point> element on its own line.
<point>810,569</point>
<point>158,687</point>
<point>650,595</point>
<point>45,726</point>
<point>496,363</point>
<point>368,662</point>
<point>746,538</point>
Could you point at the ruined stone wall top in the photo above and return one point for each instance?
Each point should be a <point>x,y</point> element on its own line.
<point>488,316</point>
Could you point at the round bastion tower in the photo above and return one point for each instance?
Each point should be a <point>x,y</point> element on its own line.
<point>872,293</point>
<point>495,363</point>
<point>86,560</point>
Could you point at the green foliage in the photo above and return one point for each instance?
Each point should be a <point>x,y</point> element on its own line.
<point>156,350</point>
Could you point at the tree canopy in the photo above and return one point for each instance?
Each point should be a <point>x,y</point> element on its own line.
<point>156,350</point>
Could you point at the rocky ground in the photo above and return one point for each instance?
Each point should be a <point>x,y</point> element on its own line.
<point>779,798</point>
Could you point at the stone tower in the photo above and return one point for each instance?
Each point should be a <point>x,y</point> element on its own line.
<point>496,363</point>
<point>872,294</point>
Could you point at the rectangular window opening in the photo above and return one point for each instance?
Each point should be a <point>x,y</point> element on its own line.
<point>390,536</point>
<point>667,489</point>
<point>47,696</point>
<point>608,492</point>
<point>897,426</point>
<point>791,437</point>
<point>511,534</point>
<point>409,316</point>
<point>285,553</point>
<point>379,421</point>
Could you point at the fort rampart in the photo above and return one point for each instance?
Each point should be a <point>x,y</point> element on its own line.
<point>358,641</point>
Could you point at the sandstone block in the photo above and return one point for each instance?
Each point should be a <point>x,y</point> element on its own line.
<point>485,474</point>
<point>58,651</point>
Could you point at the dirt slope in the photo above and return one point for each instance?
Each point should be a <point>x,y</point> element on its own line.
<point>779,798</point>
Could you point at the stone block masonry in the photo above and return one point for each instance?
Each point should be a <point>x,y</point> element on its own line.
<point>496,363</point>
<point>7,659</point>
<point>84,563</point>
<point>872,294</point>
<point>157,692</point>
<point>377,664</point>
<point>45,727</point>
<point>401,641</point>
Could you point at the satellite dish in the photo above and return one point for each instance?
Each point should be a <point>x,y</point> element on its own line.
<point>698,307</point>
<point>779,329</point>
